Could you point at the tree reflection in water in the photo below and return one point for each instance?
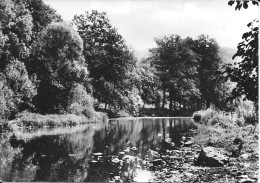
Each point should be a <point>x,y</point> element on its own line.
<point>114,150</point>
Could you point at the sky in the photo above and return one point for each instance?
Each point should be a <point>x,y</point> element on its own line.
<point>140,21</point>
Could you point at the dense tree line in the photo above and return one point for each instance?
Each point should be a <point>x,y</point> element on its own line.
<point>42,68</point>
<point>50,66</point>
<point>187,74</point>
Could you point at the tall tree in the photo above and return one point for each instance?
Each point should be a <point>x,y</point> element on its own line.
<point>209,64</point>
<point>143,77</point>
<point>107,56</point>
<point>175,65</point>
<point>59,65</point>
<point>42,14</point>
<point>16,31</point>
<point>17,89</point>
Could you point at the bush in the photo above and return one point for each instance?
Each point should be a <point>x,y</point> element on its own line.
<point>80,102</point>
<point>205,115</point>
<point>26,119</point>
<point>122,113</point>
<point>213,118</point>
<point>100,116</point>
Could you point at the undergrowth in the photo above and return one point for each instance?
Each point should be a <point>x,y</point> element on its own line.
<point>27,119</point>
<point>221,131</point>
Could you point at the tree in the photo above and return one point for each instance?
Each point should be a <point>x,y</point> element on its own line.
<point>209,64</point>
<point>16,31</point>
<point>107,56</point>
<point>245,73</point>
<point>17,89</point>
<point>21,21</point>
<point>175,65</point>
<point>42,14</point>
<point>59,65</point>
<point>80,102</point>
<point>144,79</point>
<point>6,96</point>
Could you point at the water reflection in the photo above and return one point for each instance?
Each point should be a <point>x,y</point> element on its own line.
<point>117,149</point>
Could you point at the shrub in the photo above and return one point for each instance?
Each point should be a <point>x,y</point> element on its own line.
<point>122,113</point>
<point>7,104</point>
<point>80,102</point>
<point>211,117</point>
<point>26,119</point>
<point>205,115</point>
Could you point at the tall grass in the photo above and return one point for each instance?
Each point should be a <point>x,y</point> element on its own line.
<point>27,119</point>
<point>213,118</point>
<point>221,131</point>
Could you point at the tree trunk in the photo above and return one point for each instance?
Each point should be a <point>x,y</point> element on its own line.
<point>164,97</point>
<point>170,105</point>
<point>106,106</point>
<point>207,104</point>
<point>174,102</point>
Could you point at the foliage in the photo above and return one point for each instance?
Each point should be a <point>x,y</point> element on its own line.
<point>223,137</point>
<point>158,112</point>
<point>108,58</point>
<point>245,73</point>
<point>27,119</point>
<point>144,79</point>
<point>209,63</point>
<point>42,14</point>
<point>16,31</point>
<point>18,81</point>
<point>241,3</point>
<point>17,89</point>
<point>175,65</point>
<point>49,67</point>
<point>214,118</point>
<point>122,113</point>
<point>187,73</point>
<point>6,100</point>
<point>80,102</point>
<point>58,64</point>
<point>20,22</point>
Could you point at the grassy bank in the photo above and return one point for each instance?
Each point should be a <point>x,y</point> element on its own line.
<point>221,131</point>
<point>35,120</point>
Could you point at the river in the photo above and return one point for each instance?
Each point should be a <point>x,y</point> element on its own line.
<point>118,149</point>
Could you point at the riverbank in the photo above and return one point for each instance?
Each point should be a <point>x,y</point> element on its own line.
<point>181,164</point>
<point>35,121</point>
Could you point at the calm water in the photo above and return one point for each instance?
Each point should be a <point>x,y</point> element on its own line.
<point>89,153</point>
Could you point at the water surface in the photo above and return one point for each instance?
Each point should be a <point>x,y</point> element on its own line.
<point>116,149</point>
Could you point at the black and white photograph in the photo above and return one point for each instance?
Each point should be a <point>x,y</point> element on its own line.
<point>129,91</point>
